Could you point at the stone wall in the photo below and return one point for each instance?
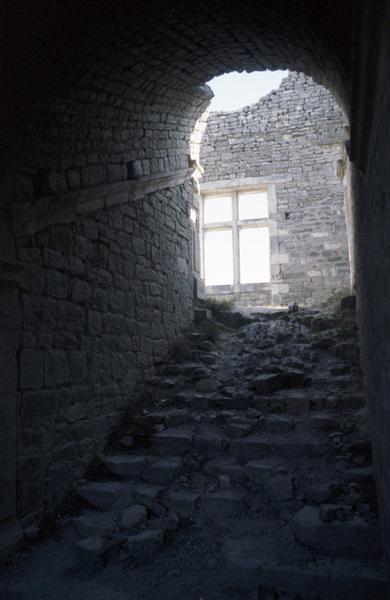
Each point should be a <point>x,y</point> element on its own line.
<point>101,299</point>
<point>292,142</point>
<point>370,155</point>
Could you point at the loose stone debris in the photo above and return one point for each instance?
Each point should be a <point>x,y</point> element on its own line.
<point>245,473</point>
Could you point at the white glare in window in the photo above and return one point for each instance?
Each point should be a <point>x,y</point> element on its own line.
<point>217,209</point>
<point>254,255</point>
<point>252,205</point>
<point>218,255</point>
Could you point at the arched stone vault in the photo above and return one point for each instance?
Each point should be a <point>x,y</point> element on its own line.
<point>97,89</point>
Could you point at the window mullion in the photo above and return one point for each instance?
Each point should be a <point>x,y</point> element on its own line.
<point>236,244</point>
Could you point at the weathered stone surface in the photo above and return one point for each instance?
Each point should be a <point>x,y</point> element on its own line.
<point>184,503</point>
<point>133,516</point>
<point>280,488</point>
<point>94,524</point>
<point>143,545</point>
<point>100,494</point>
<point>223,504</point>
<point>92,547</point>
<point>207,385</point>
<point>268,383</point>
<point>172,441</point>
<point>126,466</point>
<point>354,538</point>
<point>164,470</point>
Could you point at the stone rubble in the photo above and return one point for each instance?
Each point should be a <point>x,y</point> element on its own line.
<point>271,452</point>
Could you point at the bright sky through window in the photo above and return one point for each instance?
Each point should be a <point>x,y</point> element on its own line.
<point>219,257</point>
<point>234,90</point>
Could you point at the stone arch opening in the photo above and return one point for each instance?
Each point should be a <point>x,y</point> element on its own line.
<point>288,147</point>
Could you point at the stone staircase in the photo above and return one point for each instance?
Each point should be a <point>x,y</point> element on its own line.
<point>259,436</point>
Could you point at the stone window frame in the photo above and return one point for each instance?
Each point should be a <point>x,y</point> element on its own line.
<point>234,188</point>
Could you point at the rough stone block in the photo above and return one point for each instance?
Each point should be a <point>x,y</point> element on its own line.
<point>223,504</point>
<point>268,382</point>
<point>100,494</point>
<point>56,368</point>
<point>31,369</point>
<point>143,545</point>
<point>133,516</point>
<point>126,466</point>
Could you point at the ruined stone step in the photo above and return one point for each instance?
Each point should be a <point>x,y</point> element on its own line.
<point>184,503</point>
<point>148,495</point>
<point>143,545</point>
<point>288,446</point>
<point>154,469</point>
<point>164,470</point>
<point>102,494</point>
<point>223,504</point>
<point>328,579</point>
<point>353,538</point>
<point>171,441</point>
<point>95,524</point>
<point>128,466</point>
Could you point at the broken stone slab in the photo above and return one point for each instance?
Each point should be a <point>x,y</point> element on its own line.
<point>287,446</point>
<point>164,470</point>
<point>355,538</point>
<point>126,466</point>
<point>247,561</point>
<point>171,441</point>
<point>148,496</point>
<point>268,382</point>
<point>184,503</point>
<point>92,548</point>
<point>223,504</point>
<point>143,545</point>
<point>133,516</point>
<point>94,524</point>
<point>100,494</point>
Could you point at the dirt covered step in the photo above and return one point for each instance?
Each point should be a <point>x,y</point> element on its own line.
<point>350,538</point>
<point>325,579</point>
